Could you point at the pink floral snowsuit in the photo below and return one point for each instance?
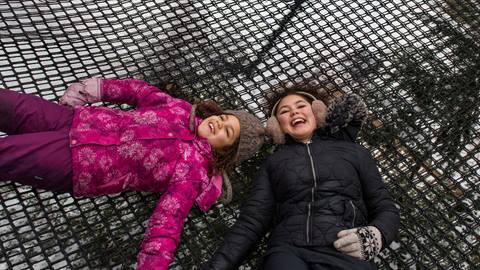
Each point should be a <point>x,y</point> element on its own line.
<point>147,149</point>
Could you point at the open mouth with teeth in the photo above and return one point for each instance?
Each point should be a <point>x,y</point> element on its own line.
<point>212,127</point>
<point>298,122</point>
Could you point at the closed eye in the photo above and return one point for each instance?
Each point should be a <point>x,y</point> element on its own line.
<point>227,130</point>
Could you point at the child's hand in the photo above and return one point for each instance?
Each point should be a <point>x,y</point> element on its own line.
<point>363,243</point>
<point>74,96</point>
<point>78,94</point>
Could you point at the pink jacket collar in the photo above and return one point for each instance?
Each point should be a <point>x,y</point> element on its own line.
<point>212,190</point>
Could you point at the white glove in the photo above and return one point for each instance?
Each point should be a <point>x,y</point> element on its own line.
<point>363,243</point>
<point>86,91</point>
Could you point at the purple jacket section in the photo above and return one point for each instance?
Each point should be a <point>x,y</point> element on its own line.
<point>147,149</point>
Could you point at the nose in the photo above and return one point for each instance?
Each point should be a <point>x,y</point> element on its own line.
<point>293,112</point>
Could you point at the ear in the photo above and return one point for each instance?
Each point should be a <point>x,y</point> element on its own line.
<point>274,130</point>
<point>320,111</point>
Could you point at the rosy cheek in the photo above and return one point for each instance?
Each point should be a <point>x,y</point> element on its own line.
<point>283,121</point>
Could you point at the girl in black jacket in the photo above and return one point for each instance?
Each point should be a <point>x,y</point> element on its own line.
<point>320,193</point>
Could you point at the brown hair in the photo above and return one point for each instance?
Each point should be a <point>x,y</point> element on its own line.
<point>224,160</point>
<point>317,91</point>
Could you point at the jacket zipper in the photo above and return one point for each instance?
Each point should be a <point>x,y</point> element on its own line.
<point>354,214</point>
<point>313,192</point>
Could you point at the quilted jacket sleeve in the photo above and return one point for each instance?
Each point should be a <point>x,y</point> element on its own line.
<point>134,92</point>
<point>382,212</point>
<point>251,226</point>
<point>166,223</point>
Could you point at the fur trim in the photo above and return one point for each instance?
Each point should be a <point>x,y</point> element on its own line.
<point>347,109</point>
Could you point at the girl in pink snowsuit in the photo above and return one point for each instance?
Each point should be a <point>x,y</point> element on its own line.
<point>161,146</point>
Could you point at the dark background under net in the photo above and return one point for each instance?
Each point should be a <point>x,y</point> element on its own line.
<point>416,63</point>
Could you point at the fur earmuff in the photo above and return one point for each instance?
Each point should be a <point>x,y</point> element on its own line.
<point>320,111</point>
<point>274,130</point>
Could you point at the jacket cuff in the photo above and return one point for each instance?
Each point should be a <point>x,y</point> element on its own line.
<point>386,238</point>
<point>93,89</point>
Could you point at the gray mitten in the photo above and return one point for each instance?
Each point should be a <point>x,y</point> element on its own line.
<point>363,243</point>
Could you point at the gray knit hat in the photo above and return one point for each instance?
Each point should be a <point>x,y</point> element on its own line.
<point>251,134</point>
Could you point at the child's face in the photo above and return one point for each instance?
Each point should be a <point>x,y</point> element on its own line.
<point>296,118</point>
<point>220,130</point>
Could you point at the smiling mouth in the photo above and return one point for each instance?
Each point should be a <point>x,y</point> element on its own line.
<point>297,122</point>
<point>212,127</point>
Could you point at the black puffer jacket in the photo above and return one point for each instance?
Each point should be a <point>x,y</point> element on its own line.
<point>312,191</point>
